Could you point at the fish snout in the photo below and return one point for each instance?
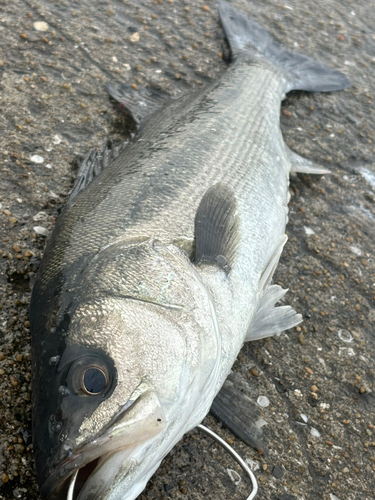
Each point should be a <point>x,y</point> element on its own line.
<point>97,461</point>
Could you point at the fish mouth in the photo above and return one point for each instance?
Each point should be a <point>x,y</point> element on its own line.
<point>97,462</point>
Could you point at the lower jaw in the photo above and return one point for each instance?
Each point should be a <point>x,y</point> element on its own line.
<point>83,475</point>
<point>95,478</point>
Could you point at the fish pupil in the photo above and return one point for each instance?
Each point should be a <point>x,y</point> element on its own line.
<point>94,381</point>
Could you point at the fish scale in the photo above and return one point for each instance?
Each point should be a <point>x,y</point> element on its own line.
<point>125,209</point>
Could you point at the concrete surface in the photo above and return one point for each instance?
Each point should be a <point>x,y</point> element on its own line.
<point>319,378</point>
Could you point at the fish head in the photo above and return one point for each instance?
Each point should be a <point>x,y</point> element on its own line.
<point>140,348</point>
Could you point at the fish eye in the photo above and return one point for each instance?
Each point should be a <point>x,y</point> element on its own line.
<point>88,376</point>
<point>94,381</point>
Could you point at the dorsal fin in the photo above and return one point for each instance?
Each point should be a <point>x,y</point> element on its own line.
<point>217,227</point>
<point>138,104</point>
<point>93,163</point>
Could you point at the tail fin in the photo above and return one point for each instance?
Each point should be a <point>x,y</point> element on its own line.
<point>302,72</point>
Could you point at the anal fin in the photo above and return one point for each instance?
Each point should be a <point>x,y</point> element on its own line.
<point>217,227</point>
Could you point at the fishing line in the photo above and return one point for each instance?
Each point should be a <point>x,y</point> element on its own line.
<point>236,456</point>
<point>71,485</point>
<point>217,438</point>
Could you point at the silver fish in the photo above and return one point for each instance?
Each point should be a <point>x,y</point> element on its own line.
<point>160,267</point>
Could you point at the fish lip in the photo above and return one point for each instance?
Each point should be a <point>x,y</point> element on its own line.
<point>54,486</point>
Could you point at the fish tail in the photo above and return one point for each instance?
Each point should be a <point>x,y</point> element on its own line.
<point>245,36</point>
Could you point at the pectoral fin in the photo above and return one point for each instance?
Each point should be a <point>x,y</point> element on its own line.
<point>217,227</point>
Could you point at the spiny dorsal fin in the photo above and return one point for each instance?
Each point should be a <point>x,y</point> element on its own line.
<point>217,227</point>
<point>93,163</point>
<point>138,104</point>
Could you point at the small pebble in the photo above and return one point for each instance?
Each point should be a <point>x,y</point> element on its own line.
<point>314,432</point>
<point>277,471</point>
<point>314,388</point>
<point>40,216</point>
<point>40,26</point>
<point>135,37</point>
<point>235,477</point>
<point>301,339</point>
<point>263,401</point>
<point>37,159</point>
<point>356,250</point>
<point>42,231</point>
<point>345,335</point>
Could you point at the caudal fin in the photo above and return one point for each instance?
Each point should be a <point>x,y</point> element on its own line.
<point>302,72</point>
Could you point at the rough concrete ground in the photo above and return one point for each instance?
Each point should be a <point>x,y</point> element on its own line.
<point>319,377</point>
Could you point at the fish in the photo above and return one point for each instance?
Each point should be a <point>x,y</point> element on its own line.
<point>160,267</point>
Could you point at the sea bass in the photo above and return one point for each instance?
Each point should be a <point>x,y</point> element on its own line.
<point>159,269</point>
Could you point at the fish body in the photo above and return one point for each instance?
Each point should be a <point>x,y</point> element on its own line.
<point>157,272</point>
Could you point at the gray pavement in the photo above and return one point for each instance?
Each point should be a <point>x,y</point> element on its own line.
<point>319,377</point>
